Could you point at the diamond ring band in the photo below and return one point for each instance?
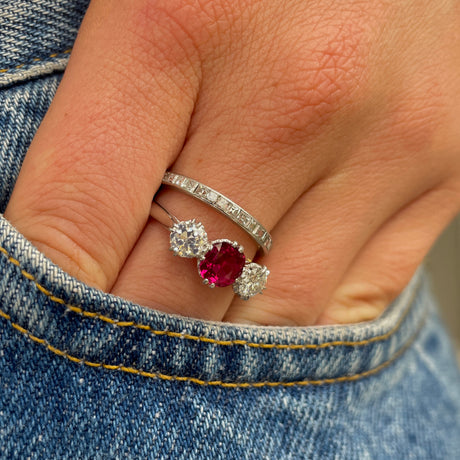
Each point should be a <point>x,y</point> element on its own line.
<point>222,204</point>
<point>221,262</point>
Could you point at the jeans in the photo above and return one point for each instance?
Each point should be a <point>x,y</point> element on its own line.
<point>87,375</point>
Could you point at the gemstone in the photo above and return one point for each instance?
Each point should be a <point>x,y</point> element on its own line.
<point>268,243</point>
<point>245,219</point>
<point>211,196</point>
<point>233,210</point>
<point>189,185</point>
<point>228,206</point>
<point>222,265</point>
<point>189,239</point>
<point>202,190</point>
<point>178,180</point>
<point>259,232</point>
<point>222,203</point>
<point>252,280</point>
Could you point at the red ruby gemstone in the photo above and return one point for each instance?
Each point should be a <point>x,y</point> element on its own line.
<point>222,265</point>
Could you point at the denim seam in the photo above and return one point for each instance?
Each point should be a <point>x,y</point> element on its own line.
<point>183,336</point>
<point>51,56</point>
<point>220,383</point>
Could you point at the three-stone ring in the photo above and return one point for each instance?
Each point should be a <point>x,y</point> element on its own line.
<point>221,262</point>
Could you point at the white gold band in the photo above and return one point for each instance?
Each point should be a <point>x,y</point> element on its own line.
<point>222,204</point>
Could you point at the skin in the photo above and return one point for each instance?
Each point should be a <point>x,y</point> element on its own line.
<point>334,123</point>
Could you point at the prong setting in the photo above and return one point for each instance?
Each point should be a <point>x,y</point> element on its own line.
<point>221,262</point>
<point>189,239</point>
<point>252,281</point>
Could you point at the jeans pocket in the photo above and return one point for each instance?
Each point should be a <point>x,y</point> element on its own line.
<point>52,308</point>
<point>88,375</point>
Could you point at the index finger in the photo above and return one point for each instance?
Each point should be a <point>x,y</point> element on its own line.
<point>84,192</point>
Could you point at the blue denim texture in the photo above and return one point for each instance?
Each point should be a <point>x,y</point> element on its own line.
<point>86,375</point>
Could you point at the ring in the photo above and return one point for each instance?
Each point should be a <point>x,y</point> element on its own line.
<point>220,262</point>
<point>222,204</point>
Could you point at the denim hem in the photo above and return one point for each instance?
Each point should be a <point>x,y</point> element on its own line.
<point>37,67</point>
<point>90,327</point>
<point>33,33</point>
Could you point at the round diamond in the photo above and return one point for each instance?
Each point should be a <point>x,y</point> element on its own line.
<point>252,281</point>
<point>189,239</point>
<point>222,265</point>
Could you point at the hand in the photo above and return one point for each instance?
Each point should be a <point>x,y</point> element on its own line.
<point>333,123</point>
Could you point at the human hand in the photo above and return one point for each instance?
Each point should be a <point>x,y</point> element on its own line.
<point>334,123</point>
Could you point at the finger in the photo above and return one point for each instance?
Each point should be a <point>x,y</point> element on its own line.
<point>322,233</point>
<point>388,261</point>
<point>262,158</point>
<point>118,119</point>
<point>325,230</point>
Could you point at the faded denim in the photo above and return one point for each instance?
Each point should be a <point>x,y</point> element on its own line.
<point>86,375</point>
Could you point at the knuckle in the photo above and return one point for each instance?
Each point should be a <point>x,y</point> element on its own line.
<point>176,29</point>
<point>188,32</point>
<point>312,81</point>
<point>55,234</point>
<point>70,256</point>
<point>165,39</point>
<point>418,111</point>
<point>75,205</point>
<point>69,218</point>
<point>357,302</point>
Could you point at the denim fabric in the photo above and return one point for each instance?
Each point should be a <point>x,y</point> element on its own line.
<point>86,375</point>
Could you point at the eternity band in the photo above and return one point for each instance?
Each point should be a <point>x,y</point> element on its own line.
<point>222,204</point>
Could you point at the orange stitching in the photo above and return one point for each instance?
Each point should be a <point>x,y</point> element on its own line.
<point>54,55</point>
<point>180,335</point>
<point>158,375</point>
